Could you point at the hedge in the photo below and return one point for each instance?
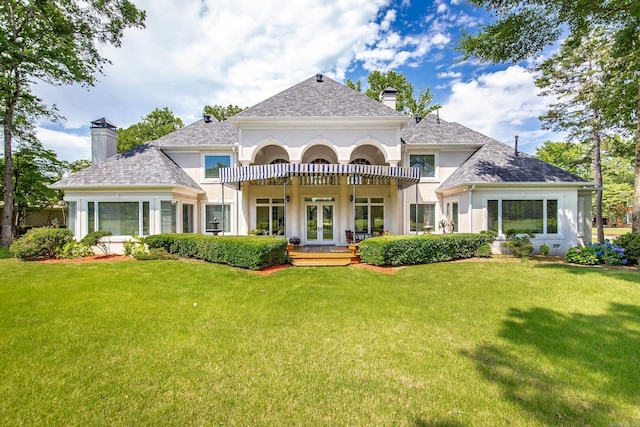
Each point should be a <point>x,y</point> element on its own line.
<point>422,249</point>
<point>251,252</point>
<point>41,243</point>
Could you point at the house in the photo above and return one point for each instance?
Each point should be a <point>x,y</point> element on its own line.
<point>319,159</point>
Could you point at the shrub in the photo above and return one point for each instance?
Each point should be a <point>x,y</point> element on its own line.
<point>598,253</point>
<point>519,244</point>
<point>95,239</point>
<point>135,247</point>
<point>545,249</point>
<point>630,242</point>
<point>75,249</point>
<point>423,249</point>
<point>154,254</point>
<point>484,251</point>
<point>248,252</point>
<point>41,243</point>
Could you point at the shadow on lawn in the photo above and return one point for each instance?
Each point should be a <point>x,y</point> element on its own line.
<point>567,368</point>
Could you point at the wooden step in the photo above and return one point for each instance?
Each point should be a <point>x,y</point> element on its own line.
<point>321,262</point>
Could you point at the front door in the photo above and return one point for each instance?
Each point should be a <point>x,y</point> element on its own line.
<point>320,229</point>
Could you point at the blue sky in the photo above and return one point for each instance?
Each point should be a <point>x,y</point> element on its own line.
<point>204,52</point>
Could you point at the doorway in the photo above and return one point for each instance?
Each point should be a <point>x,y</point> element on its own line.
<point>320,216</point>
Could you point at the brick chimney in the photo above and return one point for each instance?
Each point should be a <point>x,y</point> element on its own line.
<point>388,97</point>
<point>103,140</point>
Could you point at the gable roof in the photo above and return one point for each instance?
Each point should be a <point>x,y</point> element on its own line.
<point>200,133</point>
<point>496,162</point>
<point>144,165</point>
<point>313,98</point>
<point>433,130</point>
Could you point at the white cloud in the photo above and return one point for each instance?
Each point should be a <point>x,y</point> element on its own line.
<point>500,104</point>
<point>67,146</point>
<point>449,75</point>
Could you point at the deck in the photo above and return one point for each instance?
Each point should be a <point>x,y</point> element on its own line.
<point>323,256</point>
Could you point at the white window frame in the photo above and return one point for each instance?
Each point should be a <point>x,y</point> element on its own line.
<point>545,215</point>
<point>203,164</point>
<point>436,164</point>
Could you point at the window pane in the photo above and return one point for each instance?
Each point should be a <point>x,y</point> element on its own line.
<point>377,200</point>
<point>213,163</point>
<point>91,216</point>
<point>71,216</point>
<point>377,219</point>
<point>362,200</point>
<point>187,218</point>
<point>262,219</point>
<point>121,218</point>
<point>426,216</point>
<point>277,220</point>
<point>215,211</point>
<point>492,215</point>
<point>454,216</point>
<point>167,217</point>
<point>262,201</point>
<point>522,216</point>
<point>362,219</point>
<point>552,216</point>
<point>145,218</point>
<point>426,163</point>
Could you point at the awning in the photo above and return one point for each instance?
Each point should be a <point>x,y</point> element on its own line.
<point>232,177</point>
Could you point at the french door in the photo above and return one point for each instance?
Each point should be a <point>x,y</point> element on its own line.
<point>320,223</point>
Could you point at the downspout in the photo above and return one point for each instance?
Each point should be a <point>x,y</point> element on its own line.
<point>222,185</point>
<point>470,208</point>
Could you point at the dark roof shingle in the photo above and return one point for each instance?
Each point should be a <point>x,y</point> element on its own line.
<point>311,98</point>
<point>144,165</point>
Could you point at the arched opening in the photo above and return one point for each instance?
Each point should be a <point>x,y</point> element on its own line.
<point>367,153</point>
<point>271,154</point>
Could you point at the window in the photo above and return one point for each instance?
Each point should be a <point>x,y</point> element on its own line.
<point>212,164</point>
<point>426,163</point>
<point>320,161</point>
<point>167,217</point>
<point>452,217</point>
<point>279,161</point>
<point>360,161</point>
<point>369,215</point>
<point>121,218</point>
<point>523,216</point>
<point>72,211</point>
<point>270,216</point>
<point>215,212</point>
<point>426,216</point>
<point>187,218</point>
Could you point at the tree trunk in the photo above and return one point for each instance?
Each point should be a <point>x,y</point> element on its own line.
<point>597,166</point>
<point>635,216</point>
<point>7,212</point>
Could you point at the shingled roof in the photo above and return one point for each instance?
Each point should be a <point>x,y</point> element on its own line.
<point>496,162</point>
<point>432,130</point>
<point>144,165</point>
<point>313,98</point>
<point>200,133</point>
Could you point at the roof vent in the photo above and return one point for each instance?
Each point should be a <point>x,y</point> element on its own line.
<point>516,146</point>
<point>418,119</point>
<point>206,118</point>
<point>319,78</point>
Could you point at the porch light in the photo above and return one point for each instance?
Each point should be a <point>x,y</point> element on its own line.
<point>288,198</point>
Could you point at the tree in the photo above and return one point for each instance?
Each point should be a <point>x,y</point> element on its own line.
<point>575,77</point>
<point>34,169</point>
<point>570,156</point>
<point>523,29</point>
<point>222,113</point>
<point>405,100</point>
<point>156,124</point>
<point>56,42</point>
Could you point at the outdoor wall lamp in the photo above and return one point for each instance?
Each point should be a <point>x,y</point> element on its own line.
<point>288,198</point>
<point>351,198</point>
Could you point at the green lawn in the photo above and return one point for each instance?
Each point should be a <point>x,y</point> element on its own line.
<point>190,343</point>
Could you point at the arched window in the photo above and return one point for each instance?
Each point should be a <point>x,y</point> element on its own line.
<point>320,161</point>
<point>360,161</point>
<point>279,161</point>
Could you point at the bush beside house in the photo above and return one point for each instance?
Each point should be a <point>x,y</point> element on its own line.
<point>248,252</point>
<point>41,243</point>
<point>423,249</point>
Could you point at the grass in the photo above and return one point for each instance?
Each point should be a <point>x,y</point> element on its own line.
<point>610,233</point>
<point>190,343</point>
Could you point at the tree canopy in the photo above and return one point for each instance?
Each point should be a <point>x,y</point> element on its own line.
<point>56,42</point>
<point>222,113</point>
<point>157,123</point>
<point>406,101</point>
<point>522,30</point>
